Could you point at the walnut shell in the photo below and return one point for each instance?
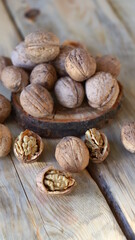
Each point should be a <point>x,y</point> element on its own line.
<point>5,140</point>
<point>4,62</point>
<point>41,47</point>
<point>28,146</point>
<point>80,65</point>
<point>36,101</point>
<point>5,108</point>
<point>54,182</point>
<point>97,144</point>
<point>69,93</point>
<point>128,136</point>
<point>45,75</point>
<point>102,90</point>
<point>14,79</point>
<point>19,58</point>
<point>108,63</point>
<point>73,44</point>
<point>72,154</point>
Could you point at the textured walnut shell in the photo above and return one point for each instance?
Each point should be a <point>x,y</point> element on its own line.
<point>97,153</point>
<point>128,136</point>
<point>4,62</point>
<point>108,63</point>
<point>36,101</point>
<point>5,108</point>
<point>42,188</point>
<point>102,90</point>
<point>19,58</point>
<point>28,158</point>
<point>5,140</point>
<point>14,79</point>
<point>72,154</point>
<point>41,47</point>
<point>69,93</point>
<point>45,75</point>
<point>80,65</point>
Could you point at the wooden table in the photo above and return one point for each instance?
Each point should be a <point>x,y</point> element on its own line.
<point>103,203</point>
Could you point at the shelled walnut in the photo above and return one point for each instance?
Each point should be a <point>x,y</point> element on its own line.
<point>128,136</point>
<point>54,182</point>
<point>4,62</point>
<point>5,140</point>
<point>72,154</point>
<point>14,79</point>
<point>28,146</point>
<point>5,108</point>
<point>97,144</point>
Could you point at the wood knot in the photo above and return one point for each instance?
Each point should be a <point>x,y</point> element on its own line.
<point>32,14</point>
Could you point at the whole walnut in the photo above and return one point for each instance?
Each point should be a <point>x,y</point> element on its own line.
<point>41,47</point>
<point>14,79</point>
<point>109,64</point>
<point>36,101</point>
<point>72,154</point>
<point>102,90</point>
<point>69,93</point>
<point>5,108</point>
<point>4,62</point>
<point>128,136</point>
<point>45,75</point>
<point>5,140</point>
<point>80,65</point>
<point>19,58</point>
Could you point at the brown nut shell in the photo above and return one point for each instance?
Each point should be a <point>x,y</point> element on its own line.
<point>28,146</point>
<point>54,182</point>
<point>5,140</point>
<point>45,75</point>
<point>80,65</point>
<point>41,47</point>
<point>97,144</point>
<point>108,63</point>
<point>5,108</point>
<point>36,101</point>
<point>72,154</point>
<point>73,44</point>
<point>4,62</point>
<point>128,136</point>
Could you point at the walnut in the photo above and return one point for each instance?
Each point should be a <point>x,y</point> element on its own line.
<point>5,140</point>
<point>36,101</point>
<point>108,63</point>
<point>128,136</point>
<point>80,65</point>
<point>45,75</point>
<point>19,58</point>
<point>69,93</point>
<point>73,44</point>
<point>14,79</point>
<point>28,146</point>
<point>41,46</point>
<point>102,90</point>
<point>5,108</point>
<point>54,182</point>
<point>97,144</point>
<point>4,62</point>
<point>72,154</point>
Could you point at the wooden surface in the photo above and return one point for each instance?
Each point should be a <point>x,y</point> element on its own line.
<point>105,27</point>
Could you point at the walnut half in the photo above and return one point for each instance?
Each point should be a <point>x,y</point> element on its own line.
<point>54,182</point>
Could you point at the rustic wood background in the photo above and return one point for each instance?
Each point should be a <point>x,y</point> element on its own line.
<point>103,203</point>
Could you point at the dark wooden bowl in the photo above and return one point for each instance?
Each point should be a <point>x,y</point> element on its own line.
<point>64,122</point>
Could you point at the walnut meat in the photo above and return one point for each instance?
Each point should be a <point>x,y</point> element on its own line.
<point>5,140</point>
<point>14,79</point>
<point>72,154</point>
<point>28,146</point>
<point>19,58</point>
<point>102,90</point>
<point>80,65</point>
<point>36,101</point>
<point>4,62</point>
<point>54,182</point>
<point>45,75</point>
<point>108,63</point>
<point>97,144</point>
<point>69,93</point>
<point>41,47</point>
<point>128,136</point>
<point>5,108</point>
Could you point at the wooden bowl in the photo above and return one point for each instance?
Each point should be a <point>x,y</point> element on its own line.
<point>64,121</point>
